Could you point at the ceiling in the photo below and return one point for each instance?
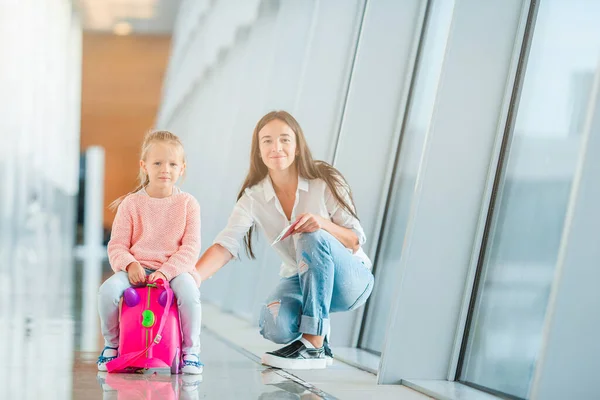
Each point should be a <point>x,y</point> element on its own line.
<point>136,17</point>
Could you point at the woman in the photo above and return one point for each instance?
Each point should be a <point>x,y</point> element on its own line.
<point>324,268</point>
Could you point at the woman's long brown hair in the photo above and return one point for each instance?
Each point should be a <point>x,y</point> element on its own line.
<point>308,168</point>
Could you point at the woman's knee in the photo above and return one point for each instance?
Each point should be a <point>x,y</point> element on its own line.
<point>313,251</point>
<point>309,240</point>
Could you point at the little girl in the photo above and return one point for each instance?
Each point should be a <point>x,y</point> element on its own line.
<point>156,234</point>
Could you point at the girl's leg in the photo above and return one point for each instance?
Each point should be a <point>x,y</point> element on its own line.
<point>190,310</point>
<point>109,295</point>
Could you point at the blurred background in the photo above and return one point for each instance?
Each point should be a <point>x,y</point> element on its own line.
<point>467,130</point>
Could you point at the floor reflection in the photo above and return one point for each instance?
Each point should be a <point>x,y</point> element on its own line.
<point>228,374</point>
<point>135,386</point>
<point>288,387</point>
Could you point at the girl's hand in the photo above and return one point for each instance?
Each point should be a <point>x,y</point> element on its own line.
<point>308,223</point>
<point>137,275</point>
<point>153,277</point>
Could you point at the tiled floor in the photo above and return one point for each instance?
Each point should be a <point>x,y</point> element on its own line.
<point>228,374</point>
<point>50,342</point>
<point>340,380</point>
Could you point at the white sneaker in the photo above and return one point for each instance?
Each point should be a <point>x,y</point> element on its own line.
<point>192,364</point>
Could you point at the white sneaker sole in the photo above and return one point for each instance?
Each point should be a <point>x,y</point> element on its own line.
<point>102,367</point>
<point>285,363</point>
<point>329,361</point>
<point>191,370</point>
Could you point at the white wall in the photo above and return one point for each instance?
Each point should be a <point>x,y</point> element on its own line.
<point>40,43</point>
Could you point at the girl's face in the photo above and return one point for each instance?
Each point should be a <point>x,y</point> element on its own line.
<point>163,165</point>
<point>277,144</point>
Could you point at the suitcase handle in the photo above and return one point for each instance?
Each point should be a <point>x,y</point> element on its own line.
<point>125,360</point>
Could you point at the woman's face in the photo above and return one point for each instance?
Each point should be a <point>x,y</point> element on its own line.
<point>277,143</point>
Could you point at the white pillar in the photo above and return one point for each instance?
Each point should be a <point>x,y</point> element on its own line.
<point>93,250</point>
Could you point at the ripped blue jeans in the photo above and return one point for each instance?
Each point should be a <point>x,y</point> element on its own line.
<point>329,279</point>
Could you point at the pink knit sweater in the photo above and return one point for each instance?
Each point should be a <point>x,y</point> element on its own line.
<point>160,234</point>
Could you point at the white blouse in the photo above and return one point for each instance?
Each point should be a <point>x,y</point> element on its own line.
<point>260,205</point>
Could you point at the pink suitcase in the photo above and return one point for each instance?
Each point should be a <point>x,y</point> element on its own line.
<point>150,333</point>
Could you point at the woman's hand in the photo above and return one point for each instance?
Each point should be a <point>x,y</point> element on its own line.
<point>153,277</point>
<point>309,223</point>
<point>136,273</point>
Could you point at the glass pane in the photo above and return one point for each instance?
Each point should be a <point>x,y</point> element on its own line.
<point>526,230</point>
<point>386,280</point>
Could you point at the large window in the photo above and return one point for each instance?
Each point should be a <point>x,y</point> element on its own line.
<point>532,198</point>
<point>418,117</point>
